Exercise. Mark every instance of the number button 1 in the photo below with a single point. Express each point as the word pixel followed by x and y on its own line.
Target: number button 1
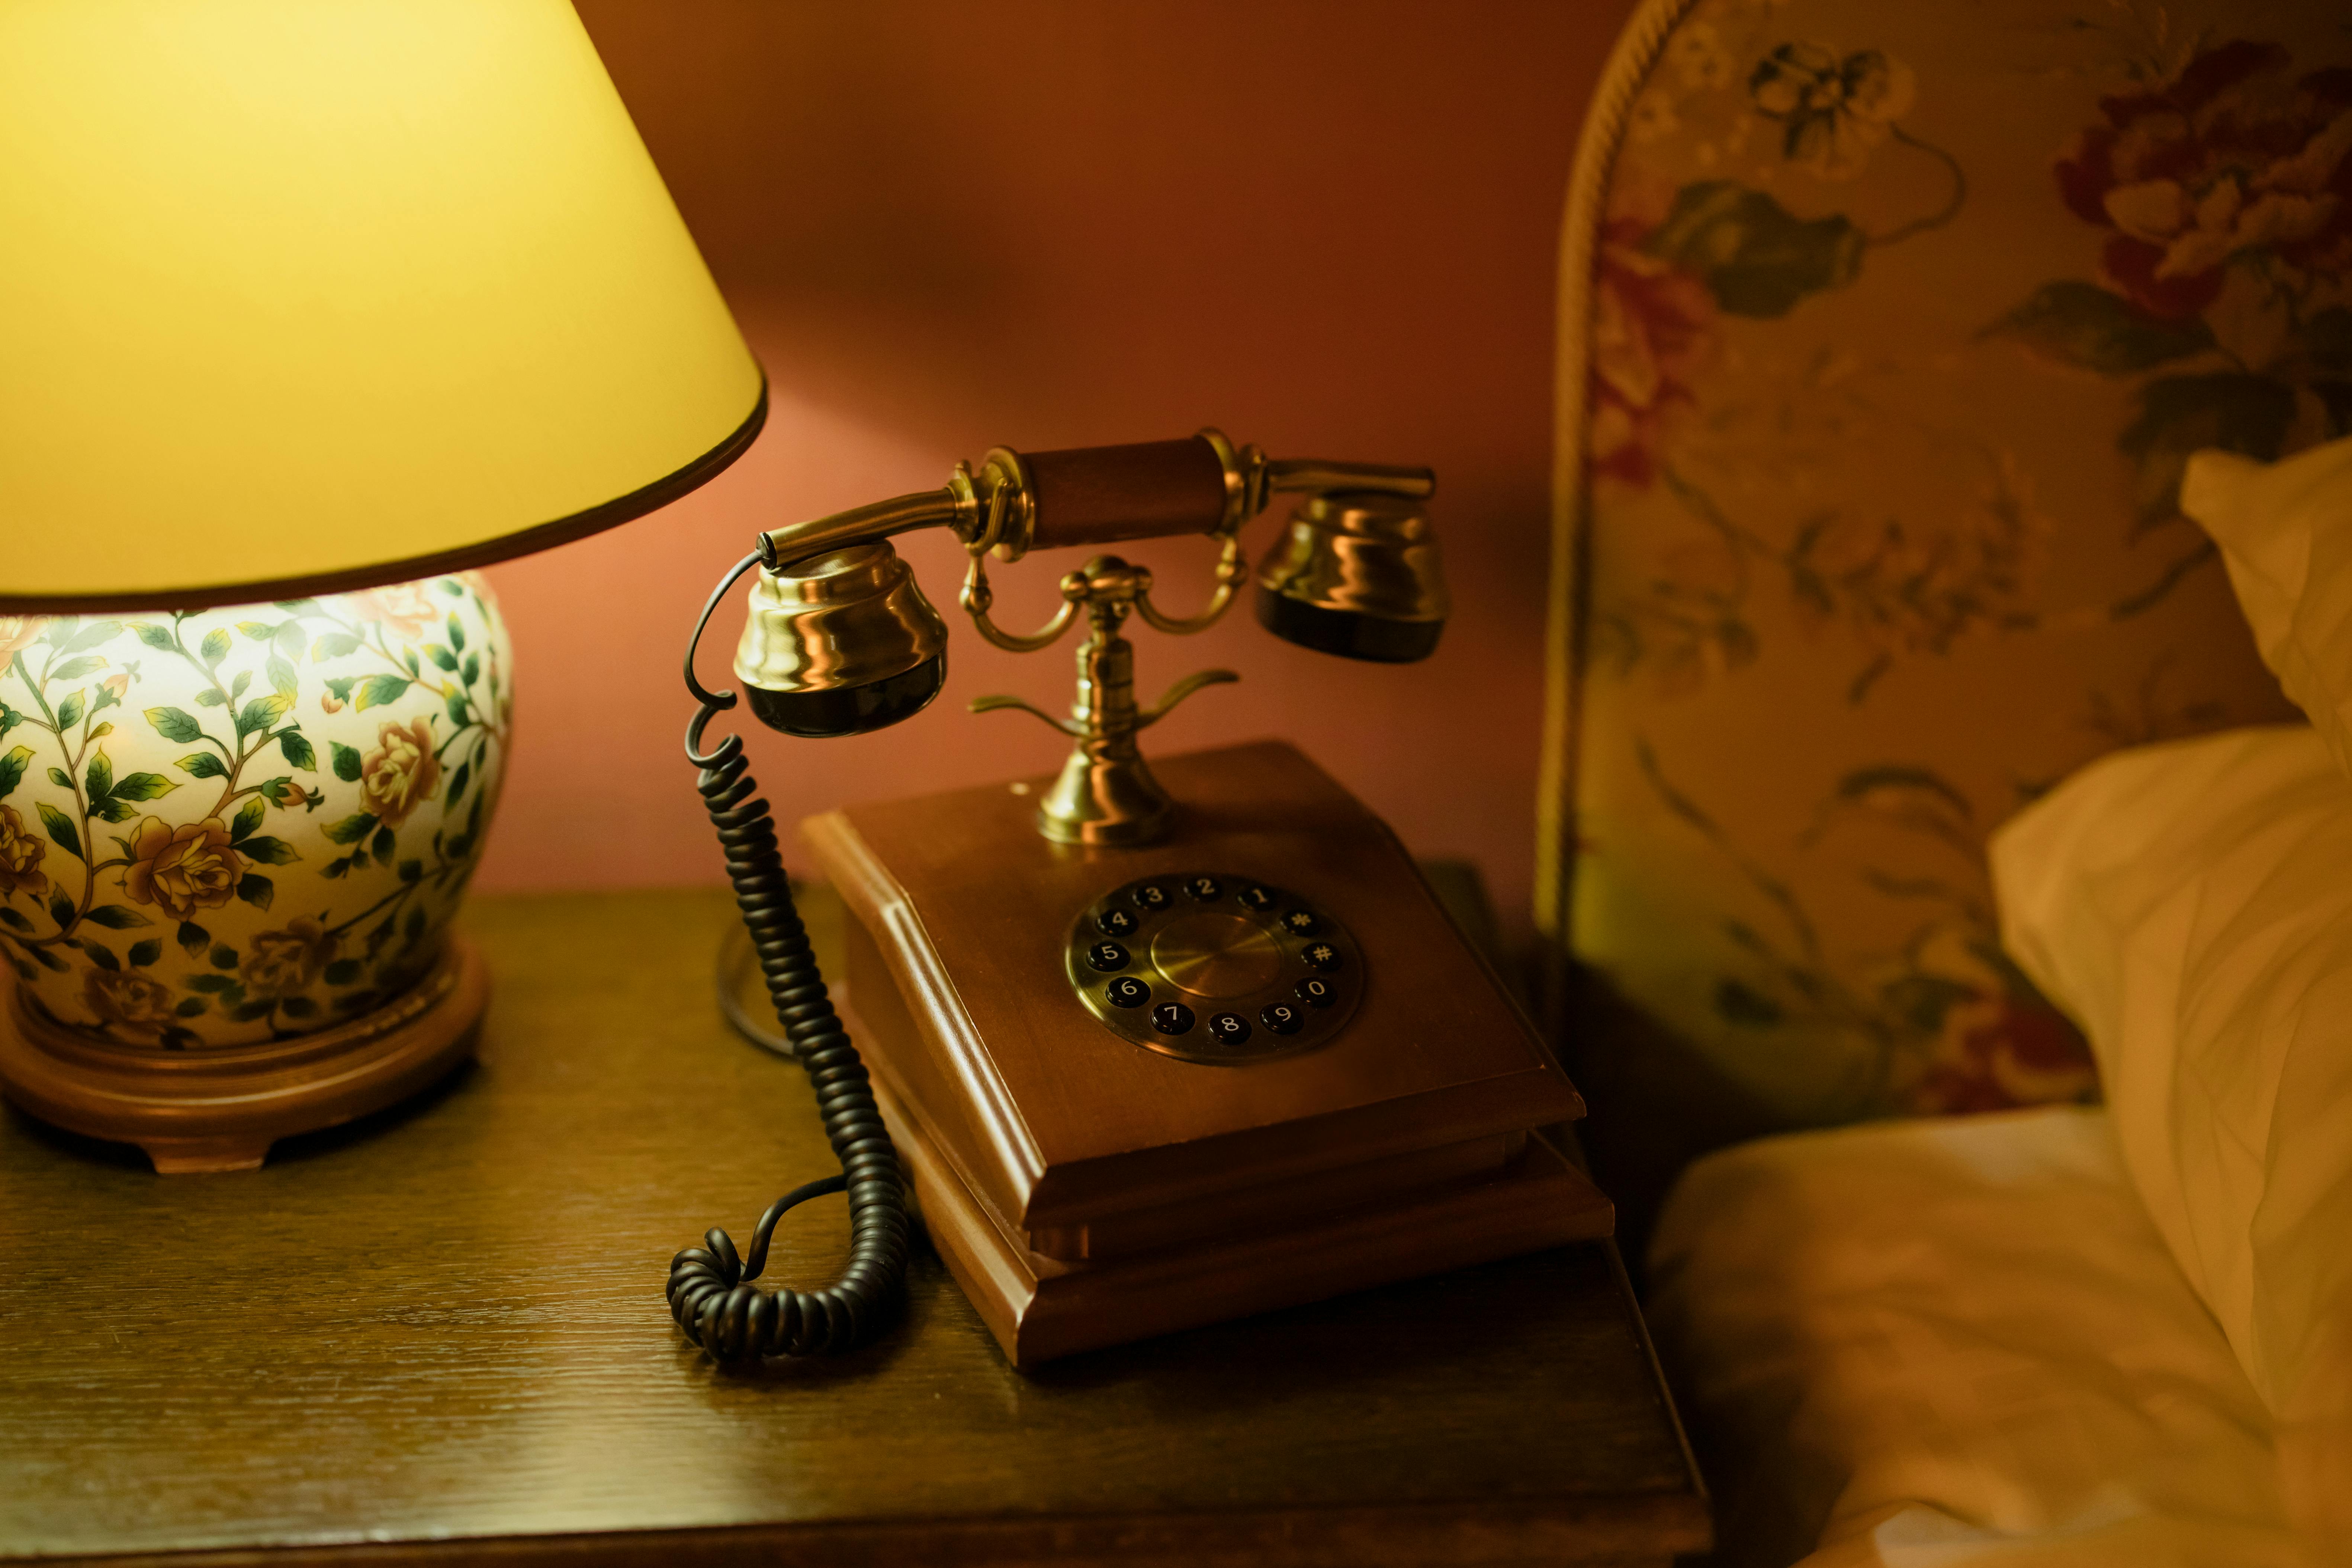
pixel 1256 898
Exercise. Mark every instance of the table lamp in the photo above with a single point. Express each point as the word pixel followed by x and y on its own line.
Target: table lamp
pixel 310 309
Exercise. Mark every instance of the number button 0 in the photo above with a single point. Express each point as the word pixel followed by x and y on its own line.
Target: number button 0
pixel 1204 888
pixel 1315 993
pixel 1171 1018
pixel 1152 897
pixel 1126 991
pixel 1107 956
pixel 1231 1027
pixel 1281 1017
pixel 1115 923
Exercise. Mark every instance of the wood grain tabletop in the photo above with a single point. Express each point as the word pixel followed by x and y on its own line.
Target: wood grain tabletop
pixel 439 1336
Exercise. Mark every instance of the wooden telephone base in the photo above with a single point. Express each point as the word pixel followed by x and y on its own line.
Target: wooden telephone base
pixel 1086 1190
pixel 220 1110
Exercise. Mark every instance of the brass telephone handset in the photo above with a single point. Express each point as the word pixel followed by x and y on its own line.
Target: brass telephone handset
pixel 841 641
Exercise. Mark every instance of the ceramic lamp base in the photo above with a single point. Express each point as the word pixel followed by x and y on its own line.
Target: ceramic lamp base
pixel 221 1110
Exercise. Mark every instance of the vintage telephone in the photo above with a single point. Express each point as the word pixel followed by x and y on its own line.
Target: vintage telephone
pixel 1154 1054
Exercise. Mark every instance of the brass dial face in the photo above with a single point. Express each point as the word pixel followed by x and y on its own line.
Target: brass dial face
pixel 1209 966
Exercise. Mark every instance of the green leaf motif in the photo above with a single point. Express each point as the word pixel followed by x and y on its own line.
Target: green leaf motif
pixel 210 982
pixel 9 717
pixel 99 776
pixel 458 781
pixel 281 676
pixel 333 645
pixel 249 818
pixel 210 697
pixel 175 724
pixel 61 827
pixel 248 1011
pixel 300 606
pixel 298 1007
pixel 93 634
pixel 288 640
pixel 340 686
pixel 70 711
pixel 144 786
pixel 155 636
pixel 342 971
pixel 263 849
pixel 214 649
pixel 143 953
pixel 100 954
pixel 12 769
pixel 336 868
pixel 350 829
pixel 2079 323
pixel 114 916
pixel 379 689
pixel 2237 412
pixel 457 709
pixel 10 917
pixel 296 748
pixel 456 636
pixel 202 765
pixel 190 1006
pixel 224 956
pixel 1755 256
pixel 347 766
pixel 237 688
pixel 441 656
pixel 47 959
pixel 473 670
pixel 259 631
pixel 261 712
pixel 60 778
pixel 61 910
pixel 192 937
pixel 381 844
pixel 72 667
pixel 410 870
pixel 114 808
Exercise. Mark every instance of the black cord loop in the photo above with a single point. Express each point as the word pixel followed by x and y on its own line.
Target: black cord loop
pixel 710 1294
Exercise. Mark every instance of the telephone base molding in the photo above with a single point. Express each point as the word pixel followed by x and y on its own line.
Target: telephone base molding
pixel 1040 1307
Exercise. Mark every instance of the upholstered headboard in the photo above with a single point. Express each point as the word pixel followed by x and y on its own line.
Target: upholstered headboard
pixel 1884 333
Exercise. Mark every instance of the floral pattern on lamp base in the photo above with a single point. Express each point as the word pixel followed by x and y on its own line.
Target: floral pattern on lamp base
pixel 225 828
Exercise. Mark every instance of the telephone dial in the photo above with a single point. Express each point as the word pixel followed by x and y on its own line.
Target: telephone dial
pixel 1153 1046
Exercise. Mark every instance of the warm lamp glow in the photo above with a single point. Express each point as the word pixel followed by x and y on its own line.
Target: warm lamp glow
pixel 301 294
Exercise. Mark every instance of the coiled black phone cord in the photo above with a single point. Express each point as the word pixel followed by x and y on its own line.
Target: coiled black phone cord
pixel 710 1291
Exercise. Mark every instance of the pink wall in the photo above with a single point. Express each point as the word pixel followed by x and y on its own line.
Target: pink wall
pixel 1326 227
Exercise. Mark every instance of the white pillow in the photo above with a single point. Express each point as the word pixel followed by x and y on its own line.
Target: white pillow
pixel 2190 906
pixel 2285 533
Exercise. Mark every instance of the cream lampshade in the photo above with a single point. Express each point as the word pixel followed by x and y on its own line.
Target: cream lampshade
pixel 307 309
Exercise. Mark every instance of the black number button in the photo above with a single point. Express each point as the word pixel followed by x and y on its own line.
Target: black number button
pixel 1299 923
pixel 1108 956
pixel 1171 1018
pixel 1203 888
pixel 1151 896
pixel 1317 993
pixel 1126 991
pixel 1230 1028
pixel 1319 955
pixel 1281 1017
pixel 1256 898
pixel 1115 923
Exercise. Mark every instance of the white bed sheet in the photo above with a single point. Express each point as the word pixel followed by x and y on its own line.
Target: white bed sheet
pixel 1945 1343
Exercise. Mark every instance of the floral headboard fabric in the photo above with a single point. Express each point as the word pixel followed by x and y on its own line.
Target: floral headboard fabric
pixel 1886 331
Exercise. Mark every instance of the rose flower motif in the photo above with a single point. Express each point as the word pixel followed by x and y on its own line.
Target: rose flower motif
pixel 2227 157
pixel 132 1003
pixel 401 774
pixel 17 632
pixel 287 963
pixel 183 869
pixel 1836 108
pixel 1653 325
pixel 20 857
pixel 405 608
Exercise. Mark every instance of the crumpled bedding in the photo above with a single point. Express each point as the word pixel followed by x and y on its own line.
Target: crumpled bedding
pixel 1938 1344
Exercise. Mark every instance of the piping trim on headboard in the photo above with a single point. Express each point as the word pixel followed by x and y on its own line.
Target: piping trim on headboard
pixel 1638 47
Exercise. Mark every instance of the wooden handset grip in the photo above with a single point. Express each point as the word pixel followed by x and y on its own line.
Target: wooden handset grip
pixel 1095 495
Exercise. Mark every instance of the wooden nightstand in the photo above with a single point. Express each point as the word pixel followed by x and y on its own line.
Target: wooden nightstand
pixel 439 1336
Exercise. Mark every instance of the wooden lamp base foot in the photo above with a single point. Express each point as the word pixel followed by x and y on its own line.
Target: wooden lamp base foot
pixel 208 1110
